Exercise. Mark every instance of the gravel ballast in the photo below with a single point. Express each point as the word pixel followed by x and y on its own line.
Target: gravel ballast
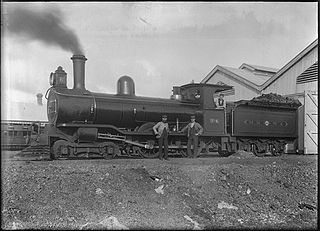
pixel 240 191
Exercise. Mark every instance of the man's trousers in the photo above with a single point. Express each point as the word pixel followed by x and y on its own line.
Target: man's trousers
pixel 163 141
pixel 192 140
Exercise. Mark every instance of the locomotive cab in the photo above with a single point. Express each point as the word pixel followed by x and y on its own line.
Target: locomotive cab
pixel 199 93
pixel 212 119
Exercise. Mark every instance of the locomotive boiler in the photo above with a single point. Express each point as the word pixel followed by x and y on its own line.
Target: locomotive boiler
pixel 84 123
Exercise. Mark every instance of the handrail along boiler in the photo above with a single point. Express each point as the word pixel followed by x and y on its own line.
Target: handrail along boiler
pixel 84 123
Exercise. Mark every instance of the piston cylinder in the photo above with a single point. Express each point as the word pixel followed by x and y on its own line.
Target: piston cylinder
pixel 87 134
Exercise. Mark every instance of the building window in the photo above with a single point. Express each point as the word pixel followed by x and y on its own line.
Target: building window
pixel 309 75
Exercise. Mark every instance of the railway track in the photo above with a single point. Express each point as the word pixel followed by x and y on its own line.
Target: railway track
pixel 13 147
pixel 41 151
pixel 36 150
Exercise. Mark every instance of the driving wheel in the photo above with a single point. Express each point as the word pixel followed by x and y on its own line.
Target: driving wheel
pixel 149 153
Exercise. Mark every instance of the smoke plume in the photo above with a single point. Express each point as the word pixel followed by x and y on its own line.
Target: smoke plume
pixel 46 26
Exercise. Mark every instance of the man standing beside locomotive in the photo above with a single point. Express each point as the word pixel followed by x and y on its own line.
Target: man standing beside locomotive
pixel 161 130
pixel 194 130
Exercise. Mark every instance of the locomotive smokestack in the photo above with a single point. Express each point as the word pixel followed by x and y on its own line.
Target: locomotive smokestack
pixel 78 71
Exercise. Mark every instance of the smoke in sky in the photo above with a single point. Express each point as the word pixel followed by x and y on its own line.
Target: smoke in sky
pixel 45 25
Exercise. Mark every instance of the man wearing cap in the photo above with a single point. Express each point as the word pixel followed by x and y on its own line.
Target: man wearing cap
pixel 194 130
pixel 220 102
pixel 161 130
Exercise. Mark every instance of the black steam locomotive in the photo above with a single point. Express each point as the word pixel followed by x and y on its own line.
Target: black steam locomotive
pixel 83 123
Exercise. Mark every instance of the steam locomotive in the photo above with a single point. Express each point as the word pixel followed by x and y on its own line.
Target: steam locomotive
pixel 87 124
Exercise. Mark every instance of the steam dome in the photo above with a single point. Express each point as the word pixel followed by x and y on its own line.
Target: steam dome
pixel 125 86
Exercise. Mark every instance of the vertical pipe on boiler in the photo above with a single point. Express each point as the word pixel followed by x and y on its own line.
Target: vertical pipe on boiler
pixel 78 71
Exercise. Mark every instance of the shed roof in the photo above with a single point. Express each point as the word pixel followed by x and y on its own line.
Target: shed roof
pixel 248 78
pixel 259 68
pixel 290 64
pixel 253 78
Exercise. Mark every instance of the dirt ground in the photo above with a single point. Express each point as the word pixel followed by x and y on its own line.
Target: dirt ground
pixel 238 192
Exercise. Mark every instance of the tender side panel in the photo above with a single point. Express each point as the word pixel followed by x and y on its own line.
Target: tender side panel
pixel 264 122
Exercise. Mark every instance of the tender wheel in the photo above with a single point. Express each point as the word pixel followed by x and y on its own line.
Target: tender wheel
pixel 256 151
pixel 276 152
pixel 59 149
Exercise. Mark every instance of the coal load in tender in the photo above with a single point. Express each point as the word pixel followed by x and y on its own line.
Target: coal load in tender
pixel 276 100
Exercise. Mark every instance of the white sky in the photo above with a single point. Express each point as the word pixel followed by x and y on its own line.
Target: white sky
pixel 158 44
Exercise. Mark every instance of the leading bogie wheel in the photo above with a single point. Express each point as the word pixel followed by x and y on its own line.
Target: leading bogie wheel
pixel 60 149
